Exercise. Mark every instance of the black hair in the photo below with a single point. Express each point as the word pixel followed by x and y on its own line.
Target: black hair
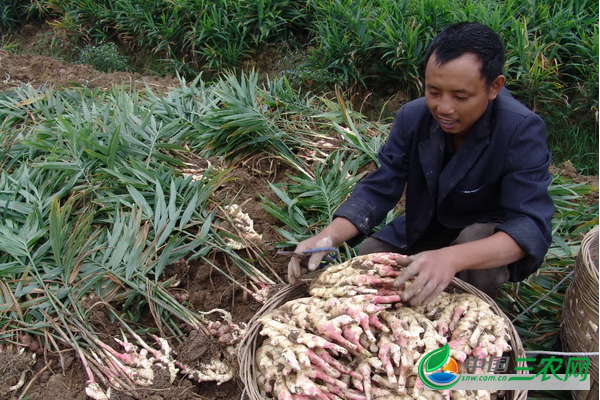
pixel 469 37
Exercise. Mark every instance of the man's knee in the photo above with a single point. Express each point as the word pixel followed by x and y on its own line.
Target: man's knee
pixel 372 245
pixel 475 232
pixel 486 280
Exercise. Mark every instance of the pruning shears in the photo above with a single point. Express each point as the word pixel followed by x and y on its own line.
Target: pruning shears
pixel 333 252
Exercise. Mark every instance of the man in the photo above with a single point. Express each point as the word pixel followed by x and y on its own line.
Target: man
pixel 474 163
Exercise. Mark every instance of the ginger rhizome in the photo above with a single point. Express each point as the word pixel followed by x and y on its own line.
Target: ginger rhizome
pixel 354 339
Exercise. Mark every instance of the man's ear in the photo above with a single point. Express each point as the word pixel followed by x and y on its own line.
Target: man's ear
pixel 496 86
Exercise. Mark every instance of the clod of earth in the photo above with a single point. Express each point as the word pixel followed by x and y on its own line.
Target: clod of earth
pixel 354 339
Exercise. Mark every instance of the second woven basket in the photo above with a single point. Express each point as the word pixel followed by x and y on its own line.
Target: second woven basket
pixel 579 328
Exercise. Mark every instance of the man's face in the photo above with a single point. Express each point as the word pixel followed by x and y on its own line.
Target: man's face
pixel 456 93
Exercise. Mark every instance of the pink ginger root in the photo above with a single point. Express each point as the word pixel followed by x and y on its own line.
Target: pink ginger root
pixel 352 333
pixel 396 352
pixel 402 374
pixel 317 373
pixel 482 327
pixel 289 356
pixel 281 390
pixel 374 321
pixel 400 329
pixel 323 364
pixel 331 329
pixel 458 312
pixel 480 352
pixel 459 350
pixel 365 370
pixel 325 356
pixel 271 327
pixel 371 280
pixel 384 382
pixel 380 392
pixel 359 312
pixel 442 327
pixel 384 355
pixel 386 299
pixel 353 395
pixel 308 387
pixel 335 390
pixel 358 384
pixel 396 291
pixel 387 270
pixel 264 383
pixel 130 357
pixel 385 259
pixel 419 385
pixel 331 396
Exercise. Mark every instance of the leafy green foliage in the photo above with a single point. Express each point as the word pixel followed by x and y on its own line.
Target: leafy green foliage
pixel 242 123
pixel 14 13
pixel 245 119
pixel 552 46
pixel 308 203
pixel 308 77
pixel 93 202
pixel 535 303
pixel 104 57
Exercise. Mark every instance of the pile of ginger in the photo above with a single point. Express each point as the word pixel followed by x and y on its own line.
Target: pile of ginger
pixel 354 339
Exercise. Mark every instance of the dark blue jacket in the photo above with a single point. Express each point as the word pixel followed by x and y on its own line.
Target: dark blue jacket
pixel 499 173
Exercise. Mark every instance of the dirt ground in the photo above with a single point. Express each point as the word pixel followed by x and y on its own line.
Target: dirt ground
pixel 37 70
pixel 53 377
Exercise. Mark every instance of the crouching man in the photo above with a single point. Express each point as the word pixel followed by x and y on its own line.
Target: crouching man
pixel 473 163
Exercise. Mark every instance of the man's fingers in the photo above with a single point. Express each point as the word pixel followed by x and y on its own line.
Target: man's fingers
pixel 412 290
pixel 401 279
pixel 294 271
pixel 404 261
pixel 412 268
pixel 315 260
pixel 421 294
pixel 432 296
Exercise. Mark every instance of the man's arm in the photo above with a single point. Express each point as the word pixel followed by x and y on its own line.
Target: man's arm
pixel 433 270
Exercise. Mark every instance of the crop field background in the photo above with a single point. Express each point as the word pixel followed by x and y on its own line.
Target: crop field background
pixel 119 205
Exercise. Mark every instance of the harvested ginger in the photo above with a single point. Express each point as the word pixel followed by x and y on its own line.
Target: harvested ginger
pixel 354 339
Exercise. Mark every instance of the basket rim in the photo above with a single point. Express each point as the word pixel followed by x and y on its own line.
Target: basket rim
pixel 585 262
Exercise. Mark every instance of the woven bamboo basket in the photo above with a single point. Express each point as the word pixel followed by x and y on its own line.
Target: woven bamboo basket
pixel 579 327
pixel 252 339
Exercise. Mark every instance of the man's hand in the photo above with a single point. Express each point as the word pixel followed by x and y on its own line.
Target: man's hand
pixel 295 270
pixel 338 231
pixel 431 273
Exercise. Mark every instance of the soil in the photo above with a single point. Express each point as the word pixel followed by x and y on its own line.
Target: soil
pixel 36 70
pixel 59 376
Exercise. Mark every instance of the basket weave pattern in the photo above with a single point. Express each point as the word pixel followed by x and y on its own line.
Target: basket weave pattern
pixel 579 328
pixel 252 339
